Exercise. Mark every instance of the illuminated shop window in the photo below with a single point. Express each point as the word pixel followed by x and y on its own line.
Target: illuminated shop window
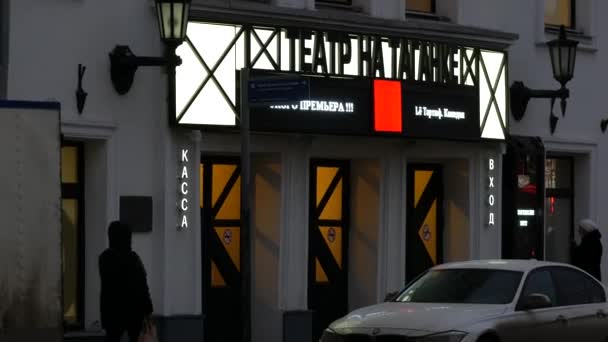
pixel 420 6
pixel 560 12
pixel 72 236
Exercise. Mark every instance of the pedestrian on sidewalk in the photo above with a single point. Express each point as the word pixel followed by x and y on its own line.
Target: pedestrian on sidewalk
pixel 588 254
pixel 125 300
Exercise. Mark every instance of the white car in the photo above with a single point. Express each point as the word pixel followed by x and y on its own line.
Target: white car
pixel 485 301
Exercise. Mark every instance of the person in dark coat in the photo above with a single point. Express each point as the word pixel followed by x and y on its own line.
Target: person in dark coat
pixel 125 298
pixel 588 254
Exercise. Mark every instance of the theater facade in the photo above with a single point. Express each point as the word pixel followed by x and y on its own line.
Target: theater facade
pixel 372 155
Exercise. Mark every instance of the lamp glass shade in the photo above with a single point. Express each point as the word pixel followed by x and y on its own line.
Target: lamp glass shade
pixel 172 19
pixel 563 57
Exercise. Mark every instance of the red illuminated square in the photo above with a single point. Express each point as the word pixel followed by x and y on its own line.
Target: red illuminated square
pixel 387 106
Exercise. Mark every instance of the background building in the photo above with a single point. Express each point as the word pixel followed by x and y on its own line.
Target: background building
pixel 130 160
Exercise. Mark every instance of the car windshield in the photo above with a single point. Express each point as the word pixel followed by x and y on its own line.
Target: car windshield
pixel 470 286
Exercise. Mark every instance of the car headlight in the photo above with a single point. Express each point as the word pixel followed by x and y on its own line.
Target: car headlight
pixel 450 336
pixel 330 336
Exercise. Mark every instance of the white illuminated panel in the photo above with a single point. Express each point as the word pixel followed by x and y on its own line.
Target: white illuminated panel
pixel 209 106
pixel 525 212
pixel 215 102
pixel 523 223
pixel 469 53
pixel 263 62
pixel 493 128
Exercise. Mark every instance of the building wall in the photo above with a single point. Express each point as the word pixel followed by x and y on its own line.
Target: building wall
pixel 363 234
pixel 456 238
pixel 130 150
pixel 577 134
pixel 130 140
pixel 266 317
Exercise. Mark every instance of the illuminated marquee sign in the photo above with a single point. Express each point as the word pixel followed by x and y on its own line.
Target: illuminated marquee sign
pixel 439 113
pixel 182 204
pixel 432 111
pixel 206 85
pixel 317 106
pixel 330 106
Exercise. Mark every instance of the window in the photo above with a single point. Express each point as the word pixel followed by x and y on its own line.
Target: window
pixel 560 12
pixel 72 236
pixel 336 2
pixel 540 282
pixel 576 288
pixel 467 286
pixel 420 6
pixel 559 183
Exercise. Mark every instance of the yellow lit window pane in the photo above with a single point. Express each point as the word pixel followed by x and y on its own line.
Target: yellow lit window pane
pixel 217 280
pixel 69 164
pixel 200 180
pixel 425 6
pixel 231 208
pixel 558 12
pixel 333 239
pixel 320 275
pixel 221 175
pixel 70 259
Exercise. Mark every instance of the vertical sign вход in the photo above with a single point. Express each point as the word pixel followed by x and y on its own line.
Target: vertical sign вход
pixel 182 204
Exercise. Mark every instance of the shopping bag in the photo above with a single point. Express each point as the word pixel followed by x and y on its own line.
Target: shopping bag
pixel 148 333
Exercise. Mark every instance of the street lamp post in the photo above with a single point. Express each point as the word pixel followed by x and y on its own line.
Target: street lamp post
pixel 172 18
pixel 563 58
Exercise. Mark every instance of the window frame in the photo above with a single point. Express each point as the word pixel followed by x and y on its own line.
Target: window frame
pixel 582 275
pixel 572 27
pixel 526 282
pixel 514 297
pixel 76 191
pixel 423 15
pixel 551 270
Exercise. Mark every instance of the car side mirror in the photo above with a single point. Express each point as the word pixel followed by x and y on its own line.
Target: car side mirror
pixel 535 301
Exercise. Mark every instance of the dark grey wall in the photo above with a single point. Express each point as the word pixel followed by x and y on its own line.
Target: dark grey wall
pixel 4 40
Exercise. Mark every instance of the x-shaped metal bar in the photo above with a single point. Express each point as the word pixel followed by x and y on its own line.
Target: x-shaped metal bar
pixel 469 66
pixel 211 73
pixel 264 48
pixel 493 89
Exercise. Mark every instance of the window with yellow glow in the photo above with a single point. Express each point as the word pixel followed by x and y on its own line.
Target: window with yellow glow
pixel 559 12
pixel 72 234
pixel 420 6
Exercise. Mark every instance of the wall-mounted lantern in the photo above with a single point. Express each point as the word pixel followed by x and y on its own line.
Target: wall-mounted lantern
pixel 563 58
pixel 172 21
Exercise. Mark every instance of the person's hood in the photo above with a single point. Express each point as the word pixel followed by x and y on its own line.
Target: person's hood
pixel 119 236
pixel 594 235
pixel 416 318
pixel 588 225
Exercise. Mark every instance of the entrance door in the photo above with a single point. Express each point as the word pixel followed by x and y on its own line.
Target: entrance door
pixel 328 241
pixel 424 218
pixel 559 234
pixel 221 227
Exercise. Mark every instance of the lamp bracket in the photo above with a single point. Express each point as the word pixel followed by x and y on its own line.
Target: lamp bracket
pixel 604 124
pixel 520 95
pixel 124 64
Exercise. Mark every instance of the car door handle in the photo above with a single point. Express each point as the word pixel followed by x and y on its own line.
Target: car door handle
pixel 561 320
